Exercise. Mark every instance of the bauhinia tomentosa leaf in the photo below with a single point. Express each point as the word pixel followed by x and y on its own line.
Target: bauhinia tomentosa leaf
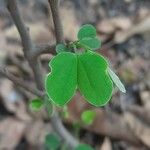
pixel 92 43
pixel 36 104
pixel 61 82
pixel 88 116
pixel 87 31
pixel 93 79
pixel 116 80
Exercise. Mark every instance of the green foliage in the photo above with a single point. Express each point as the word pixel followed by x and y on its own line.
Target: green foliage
pixel 88 117
pixel 52 141
pixel 116 80
pixel 87 31
pixel 92 43
pixel 93 80
pixel 61 82
pixel 87 37
pixel 86 70
pixel 61 48
pixel 36 104
pixel 83 147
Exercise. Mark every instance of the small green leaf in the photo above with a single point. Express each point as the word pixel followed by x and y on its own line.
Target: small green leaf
pixel 36 104
pixel 61 83
pixel 92 43
pixel 116 80
pixel 88 117
pixel 93 80
pixel 83 147
pixel 61 48
pixel 87 31
pixel 52 141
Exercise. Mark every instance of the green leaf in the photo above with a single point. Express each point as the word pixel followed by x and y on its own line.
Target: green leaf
pixel 88 117
pixel 61 83
pixel 92 43
pixel 61 48
pixel 87 31
pixel 36 104
pixel 116 80
pixel 93 80
pixel 52 141
pixel 83 147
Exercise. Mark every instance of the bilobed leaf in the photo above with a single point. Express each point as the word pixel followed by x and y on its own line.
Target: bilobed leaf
pixel 92 43
pixel 62 81
pixel 87 31
pixel 61 48
pixel 116 80
pixel 93 80
pixel 88 117
pixel 52 141
pixel 36 104
pixel 83 147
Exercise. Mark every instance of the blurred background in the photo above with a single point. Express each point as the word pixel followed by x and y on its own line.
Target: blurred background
pixel 124 29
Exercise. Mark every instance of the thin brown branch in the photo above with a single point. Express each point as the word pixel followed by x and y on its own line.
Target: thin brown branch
pixel 26 41
pixel 43 49
pixel 54 5
pixel 59 127
pixel 20 82
pixel 24 34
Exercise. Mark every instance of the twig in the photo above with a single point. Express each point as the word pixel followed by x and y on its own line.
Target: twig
pixel 26 42
pixel 59 127
pixel 43 49
pixel 20 82
pixel 54 5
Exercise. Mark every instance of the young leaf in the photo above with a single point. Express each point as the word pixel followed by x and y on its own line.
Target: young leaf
pixel 116 80
pixel 52 141
pixel 83 147
pixel 92 43
pixel 88 117
pixel 61 48
pixel 61 83
pixel 36 104
pixel 93 80
pixel 87 31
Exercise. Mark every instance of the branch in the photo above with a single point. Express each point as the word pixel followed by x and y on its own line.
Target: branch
pixel 54 5
pixel 59 127
pixel 43 49
pixel 19 82
pixel 24 34
pixel 26 41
